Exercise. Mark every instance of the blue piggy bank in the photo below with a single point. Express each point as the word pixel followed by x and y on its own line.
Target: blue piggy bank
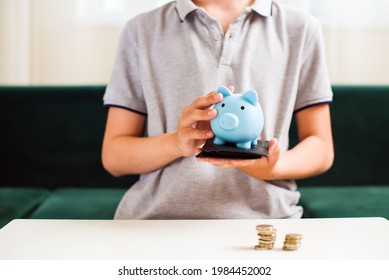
pixel 239 119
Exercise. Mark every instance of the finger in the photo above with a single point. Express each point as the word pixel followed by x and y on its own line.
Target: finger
pixel 242 163
pixel 198 151
pixel 192 116
pixel 231 88
pixel 196 134
pixel 204 125
pixel 220 162
pixel 207 101
pixel 202 159
pixel 274 151
pixel 217 162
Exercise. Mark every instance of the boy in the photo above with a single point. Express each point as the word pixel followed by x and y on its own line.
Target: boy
pixel 168 59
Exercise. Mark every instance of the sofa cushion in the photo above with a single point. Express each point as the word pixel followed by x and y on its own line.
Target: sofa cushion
pixel 345 201
pixel 359 120
pixel 19 202
pixel 80 203
pixel 54 137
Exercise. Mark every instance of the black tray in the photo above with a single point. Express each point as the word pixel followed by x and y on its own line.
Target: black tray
pixel 230 151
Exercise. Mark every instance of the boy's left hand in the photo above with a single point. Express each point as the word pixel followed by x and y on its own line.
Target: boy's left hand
pixel 263 165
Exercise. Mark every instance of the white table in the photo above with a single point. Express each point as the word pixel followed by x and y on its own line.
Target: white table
pixel 335 239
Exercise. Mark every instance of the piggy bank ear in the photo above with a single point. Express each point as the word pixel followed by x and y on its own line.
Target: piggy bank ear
pixel 251 96
pixel 225 91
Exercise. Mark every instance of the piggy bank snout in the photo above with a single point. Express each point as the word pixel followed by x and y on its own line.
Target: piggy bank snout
pixel 228 121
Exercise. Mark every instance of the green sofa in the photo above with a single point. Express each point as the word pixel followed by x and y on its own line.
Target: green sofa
pixel 50 164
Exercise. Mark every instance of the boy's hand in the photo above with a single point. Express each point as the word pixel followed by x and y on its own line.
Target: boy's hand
pixel 263 167
pixel 194 124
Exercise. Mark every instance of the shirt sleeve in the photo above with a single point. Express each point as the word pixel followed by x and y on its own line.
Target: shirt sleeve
pixel 314 81
pixel 125 86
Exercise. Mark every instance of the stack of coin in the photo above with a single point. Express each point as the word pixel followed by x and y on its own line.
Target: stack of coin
pixel 266 237
pixel 292 242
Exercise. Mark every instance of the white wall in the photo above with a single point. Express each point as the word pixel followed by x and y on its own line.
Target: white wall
pixel 65 51
pixel 356 37
pixel 15 42
pixel 358 56
pixel 74 41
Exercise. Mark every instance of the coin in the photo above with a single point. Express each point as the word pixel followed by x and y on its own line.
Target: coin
pixel 292 241
pixel 293 236
pixel 258 247
pixel 289 248
pixel 261 241
pixel 264 227
pixel 266 236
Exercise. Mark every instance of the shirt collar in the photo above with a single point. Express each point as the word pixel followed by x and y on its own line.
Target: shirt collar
pixel 262 7
pixel 184 7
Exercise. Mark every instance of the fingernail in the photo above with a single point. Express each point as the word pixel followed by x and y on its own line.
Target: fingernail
pixel 275 143
pixel 210 112
pixel 217 96
pixel 209 133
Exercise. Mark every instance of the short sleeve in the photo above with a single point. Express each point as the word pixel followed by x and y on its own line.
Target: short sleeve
pixel 125 86
pixel 314 82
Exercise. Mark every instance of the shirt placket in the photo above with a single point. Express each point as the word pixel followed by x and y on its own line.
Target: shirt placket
pixel 225 75
pixel 226 44
pixel 229 45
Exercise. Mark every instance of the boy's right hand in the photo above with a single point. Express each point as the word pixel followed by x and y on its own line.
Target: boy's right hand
pixel 194 124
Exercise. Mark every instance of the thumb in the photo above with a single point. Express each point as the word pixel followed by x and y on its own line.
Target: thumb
pixel 274 151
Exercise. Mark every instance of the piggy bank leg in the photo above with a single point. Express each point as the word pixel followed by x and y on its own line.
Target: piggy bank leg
pixel 254 143
pixel 218 141
pixel 244 145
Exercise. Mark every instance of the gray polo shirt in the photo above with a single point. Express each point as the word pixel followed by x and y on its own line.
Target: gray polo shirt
pixel 170 56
